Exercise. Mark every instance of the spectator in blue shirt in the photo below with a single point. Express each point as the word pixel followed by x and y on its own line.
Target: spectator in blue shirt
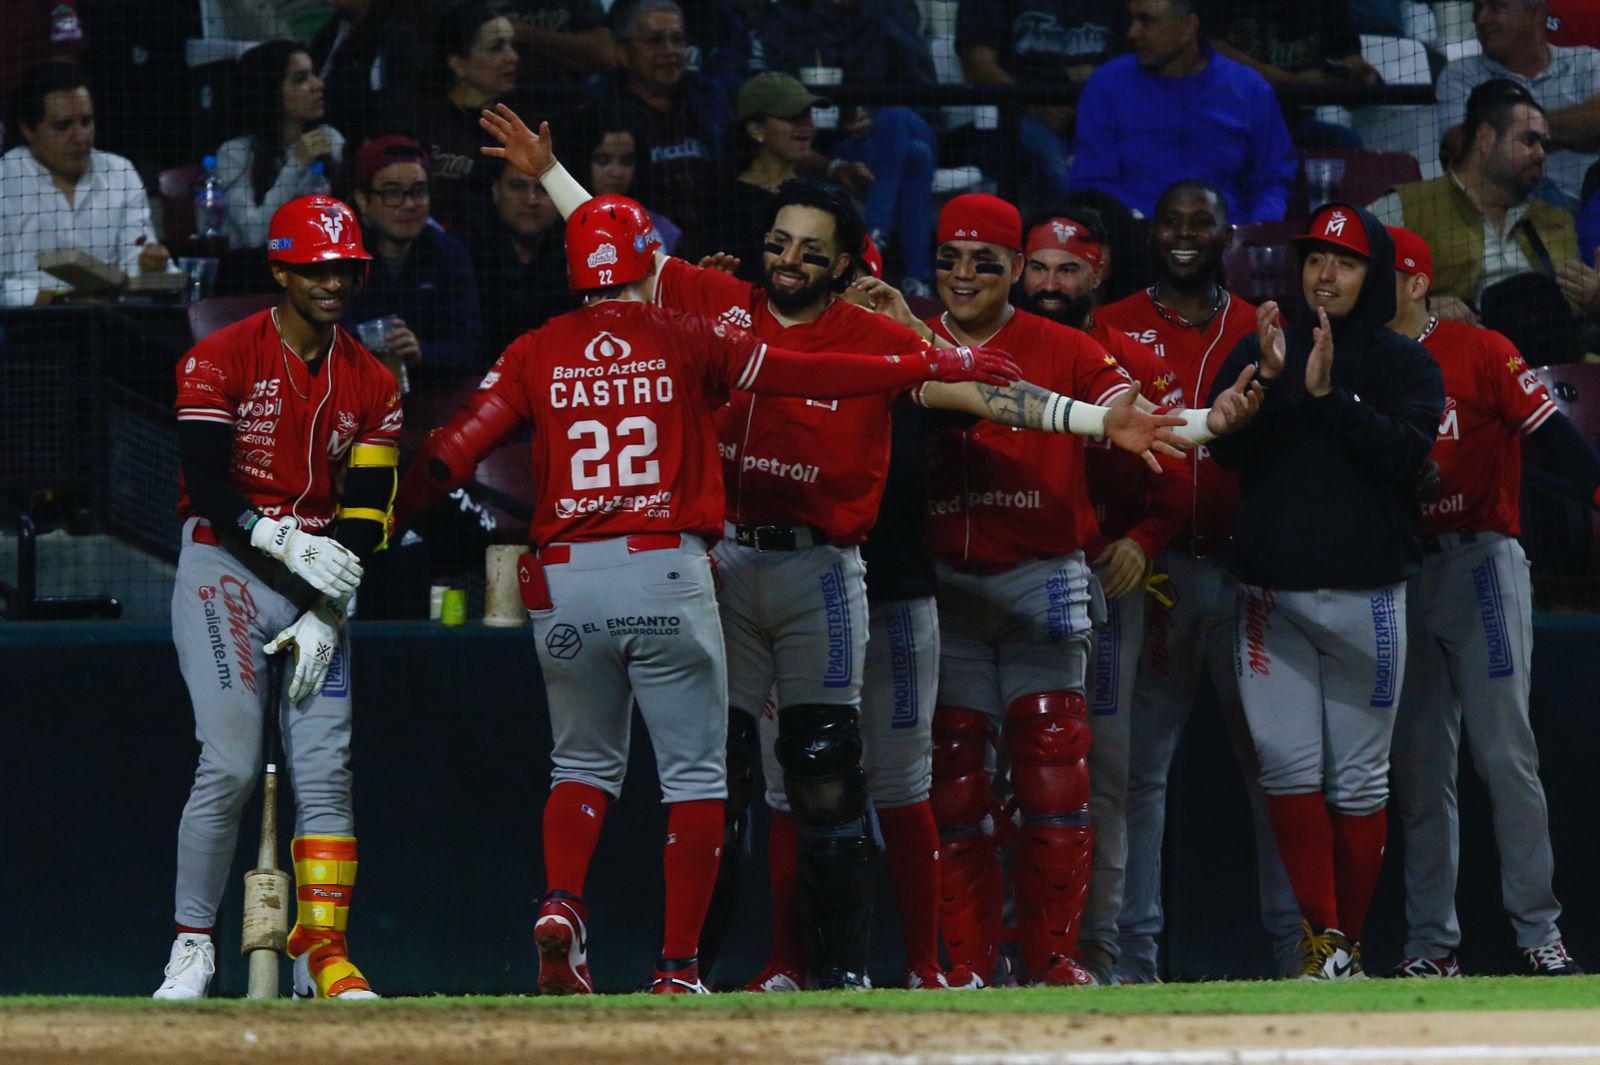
pixel 1176 109
pixel 420 273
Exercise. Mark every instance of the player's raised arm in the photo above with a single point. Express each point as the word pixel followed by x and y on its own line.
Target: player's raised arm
pixel 532 153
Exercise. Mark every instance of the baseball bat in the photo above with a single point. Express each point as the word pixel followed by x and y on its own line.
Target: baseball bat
pixel 266 888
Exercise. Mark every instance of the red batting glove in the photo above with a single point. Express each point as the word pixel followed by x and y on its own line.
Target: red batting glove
pixel 972 364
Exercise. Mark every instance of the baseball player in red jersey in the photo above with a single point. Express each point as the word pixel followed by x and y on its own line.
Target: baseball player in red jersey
pixel 1471 638
pixel 1008 519
pixel 804 479
pixel 286 428
pixel 629 497
pixel 1191 322
pixel 1065 259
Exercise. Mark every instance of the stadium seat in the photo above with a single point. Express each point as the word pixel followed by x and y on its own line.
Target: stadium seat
pixel 1367 175
pixel 1262 264
pixel 207 316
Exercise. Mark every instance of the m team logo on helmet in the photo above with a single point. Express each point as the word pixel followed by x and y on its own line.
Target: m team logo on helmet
pixel 607 346
pixel 604 255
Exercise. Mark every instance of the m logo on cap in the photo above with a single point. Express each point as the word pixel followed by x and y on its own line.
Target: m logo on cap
pixel 604 255
pixel 1335 225
pixel 331 223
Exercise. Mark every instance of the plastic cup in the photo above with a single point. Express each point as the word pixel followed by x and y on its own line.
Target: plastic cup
pixel 454 610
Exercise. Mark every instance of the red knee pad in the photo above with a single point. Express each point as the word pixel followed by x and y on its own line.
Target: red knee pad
pixel 962 794
pixel 1049 737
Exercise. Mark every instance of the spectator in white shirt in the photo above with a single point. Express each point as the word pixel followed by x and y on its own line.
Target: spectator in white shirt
pixel 57 192
pixel 1564 81
pixel 287 151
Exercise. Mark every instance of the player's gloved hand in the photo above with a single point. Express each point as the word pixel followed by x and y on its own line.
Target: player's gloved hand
pixel 314 637
pixel 984 365
pixel 322 562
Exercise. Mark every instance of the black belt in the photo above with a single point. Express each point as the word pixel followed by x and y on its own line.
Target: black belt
pixel 778 537
pixel 1438 545
pixel 268 571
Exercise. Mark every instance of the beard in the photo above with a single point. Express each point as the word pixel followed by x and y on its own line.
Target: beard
pixel 1071 312
pixel 790 301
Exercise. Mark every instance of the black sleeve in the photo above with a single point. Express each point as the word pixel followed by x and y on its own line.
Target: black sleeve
pixel 370 488
pixel 1235 448
pixel 1573 456
pixel 206 452
pixel 206 449
pixel 1393 441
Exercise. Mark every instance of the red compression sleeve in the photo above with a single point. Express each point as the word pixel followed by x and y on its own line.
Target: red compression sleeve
pixel 449 455
pixel 834 374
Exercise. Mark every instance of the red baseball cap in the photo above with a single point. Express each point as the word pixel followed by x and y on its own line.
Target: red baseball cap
pixel 1338 225
pixel 379 153
pixel 1411 253
pixel 980 216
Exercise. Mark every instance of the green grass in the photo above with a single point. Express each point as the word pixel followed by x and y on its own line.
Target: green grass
pixel 1471 994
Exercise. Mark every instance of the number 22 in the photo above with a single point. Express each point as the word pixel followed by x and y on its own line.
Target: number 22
pixel 630 471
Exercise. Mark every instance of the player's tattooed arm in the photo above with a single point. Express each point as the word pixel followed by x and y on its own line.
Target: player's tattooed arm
pixel 1020 403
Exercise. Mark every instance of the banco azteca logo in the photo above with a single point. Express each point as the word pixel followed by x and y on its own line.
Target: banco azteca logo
pixel 606 346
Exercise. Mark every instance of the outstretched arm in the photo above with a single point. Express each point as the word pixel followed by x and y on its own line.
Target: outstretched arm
pixel 532 154
pixel 837 375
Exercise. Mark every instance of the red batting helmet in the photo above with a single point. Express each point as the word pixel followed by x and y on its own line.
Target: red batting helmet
pixel 610 241
pixel 314 229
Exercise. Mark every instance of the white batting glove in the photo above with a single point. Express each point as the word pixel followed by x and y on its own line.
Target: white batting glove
pixel 314 637
pixel 321 561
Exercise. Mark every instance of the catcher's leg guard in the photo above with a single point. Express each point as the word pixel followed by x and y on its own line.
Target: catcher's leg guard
pixel 1048 734
pixel 819 747
pixel 962 796
pixel 325 877
pixel 744 763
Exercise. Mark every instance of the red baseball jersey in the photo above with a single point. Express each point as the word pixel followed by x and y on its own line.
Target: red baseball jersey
pixel 999 495
pixel 292 428
pixel 1491 398
pixel 1572 22
pixel 621 397
pixel 790 461
pixel 1196 353
pixel 1130 501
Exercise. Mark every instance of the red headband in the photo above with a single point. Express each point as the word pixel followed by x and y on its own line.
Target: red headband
pixel 1066 235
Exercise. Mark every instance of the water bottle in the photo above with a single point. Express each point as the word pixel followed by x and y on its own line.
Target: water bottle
pixel 211 205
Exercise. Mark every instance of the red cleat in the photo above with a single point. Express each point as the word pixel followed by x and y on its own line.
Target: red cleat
pixel 562 936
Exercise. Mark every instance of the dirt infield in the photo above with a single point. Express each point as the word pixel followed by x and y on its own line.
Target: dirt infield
pixel 328 1034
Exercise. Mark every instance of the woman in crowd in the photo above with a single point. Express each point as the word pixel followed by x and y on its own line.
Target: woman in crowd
pixel 776 131
pixel 608 139
pixel 476 68
pixel 285 150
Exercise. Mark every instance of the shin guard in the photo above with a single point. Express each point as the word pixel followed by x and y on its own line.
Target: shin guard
pixel 325 877
pixel 962 798
pixel 1048 734
pixel 744 763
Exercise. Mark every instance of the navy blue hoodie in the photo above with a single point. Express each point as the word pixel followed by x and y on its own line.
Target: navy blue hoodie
pixel 1326 489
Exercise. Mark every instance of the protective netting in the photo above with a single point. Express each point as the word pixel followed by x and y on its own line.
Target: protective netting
pixel 148 145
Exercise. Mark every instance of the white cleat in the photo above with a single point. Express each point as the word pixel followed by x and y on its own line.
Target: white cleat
pixel 189 969
pixel 306 987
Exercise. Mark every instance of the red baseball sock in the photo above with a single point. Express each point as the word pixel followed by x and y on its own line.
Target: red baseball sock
pixel 788 938
pixel 1304 833
pixel 689 861
pixel 1358 841
pixel 911 842
pixel 572 817
pixel 190 930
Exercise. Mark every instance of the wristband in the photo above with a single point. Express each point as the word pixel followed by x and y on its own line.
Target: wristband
pixel 564 189
pixel 1085 419
pixel 1194 428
